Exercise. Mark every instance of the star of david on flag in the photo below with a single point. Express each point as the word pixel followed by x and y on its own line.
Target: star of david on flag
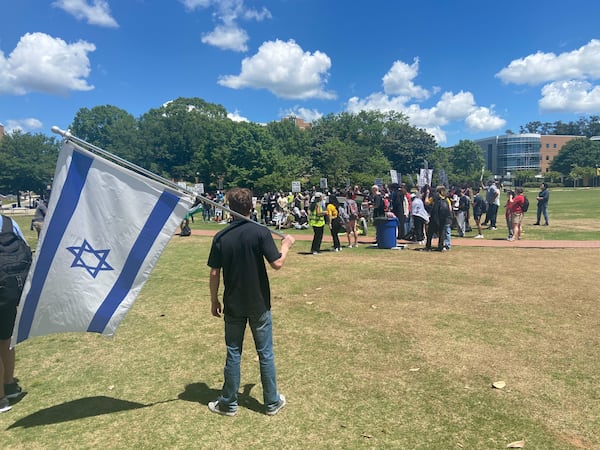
pixel 81 261
pixel 104 232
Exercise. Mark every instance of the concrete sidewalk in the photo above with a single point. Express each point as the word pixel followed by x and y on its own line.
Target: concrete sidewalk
pixel 461 242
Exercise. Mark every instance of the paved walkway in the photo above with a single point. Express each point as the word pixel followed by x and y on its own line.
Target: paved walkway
pixel 466 242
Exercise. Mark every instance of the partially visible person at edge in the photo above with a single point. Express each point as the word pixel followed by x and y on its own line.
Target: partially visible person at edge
pixel 316 219
pixel 9 389
pixel 335 225
pixel 463 211
pixel 441 220
pixel 427 197
pixel 492 197
pixel 377 204
pixel 516 213
pixel 240 250
pixel 478 207
pixel 400 208
pixel 542 204
pixel 420 218
pixel 508 215
pixel 352 218
pixel 39 215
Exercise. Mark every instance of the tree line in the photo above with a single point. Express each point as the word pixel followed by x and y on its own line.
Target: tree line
pixel 191 140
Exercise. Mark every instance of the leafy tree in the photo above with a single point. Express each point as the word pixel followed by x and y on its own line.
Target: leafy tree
pixel 27 162
pixel 581 173
pixel 110 128
pixel 467 160
pixel 523 176
pixel 577 152
pixel 552 176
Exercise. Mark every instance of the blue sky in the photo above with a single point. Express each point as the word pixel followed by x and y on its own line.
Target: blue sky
pixel 459 69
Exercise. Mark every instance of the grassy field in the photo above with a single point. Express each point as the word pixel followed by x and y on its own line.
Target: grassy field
pixel 374 349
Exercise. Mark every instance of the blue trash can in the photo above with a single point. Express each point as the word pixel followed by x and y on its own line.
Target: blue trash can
pixel 387 228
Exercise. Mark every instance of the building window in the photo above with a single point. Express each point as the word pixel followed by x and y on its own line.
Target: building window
pixel 547 145
pixel 553 145
pixel 547 157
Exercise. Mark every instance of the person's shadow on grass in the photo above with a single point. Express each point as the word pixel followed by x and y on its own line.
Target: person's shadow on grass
pixel 201 393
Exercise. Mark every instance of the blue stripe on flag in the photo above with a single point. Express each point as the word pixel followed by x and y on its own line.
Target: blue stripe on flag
pixel 142 246
pixel 55 229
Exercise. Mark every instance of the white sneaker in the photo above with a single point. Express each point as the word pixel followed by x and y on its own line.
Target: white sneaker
pixel 277 408
pixel 216 408
pixel 479 236
pixel 4 405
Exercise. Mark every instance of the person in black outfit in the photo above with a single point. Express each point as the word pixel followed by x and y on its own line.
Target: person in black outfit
pixel 239 251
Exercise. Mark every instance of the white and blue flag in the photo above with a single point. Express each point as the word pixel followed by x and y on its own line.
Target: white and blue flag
pixel 104 232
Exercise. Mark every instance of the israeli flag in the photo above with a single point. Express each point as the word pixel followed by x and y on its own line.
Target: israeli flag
pixel 104 232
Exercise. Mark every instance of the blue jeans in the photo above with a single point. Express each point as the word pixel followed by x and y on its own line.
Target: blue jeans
pixel 262 331
pixel 542 209
pixel 447 236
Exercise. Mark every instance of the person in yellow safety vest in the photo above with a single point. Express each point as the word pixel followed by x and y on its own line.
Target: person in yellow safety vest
pixel 316 219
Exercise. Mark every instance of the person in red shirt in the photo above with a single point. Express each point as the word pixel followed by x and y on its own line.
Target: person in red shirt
pixel 516 212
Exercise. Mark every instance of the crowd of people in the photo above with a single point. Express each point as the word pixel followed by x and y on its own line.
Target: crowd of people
pixel 422 215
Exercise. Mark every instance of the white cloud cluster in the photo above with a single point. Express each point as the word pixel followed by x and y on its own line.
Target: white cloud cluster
pixel 399 81
pixel 41 63
pixel 236 117
pixel 403 95
pixel 227 34
pixel 97 13
pixel 568 77
pixel 24 125
pixel 286 70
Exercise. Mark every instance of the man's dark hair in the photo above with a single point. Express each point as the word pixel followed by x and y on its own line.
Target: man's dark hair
pixel 240 200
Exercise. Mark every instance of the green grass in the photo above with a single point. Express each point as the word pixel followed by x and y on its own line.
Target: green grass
pixel 374 349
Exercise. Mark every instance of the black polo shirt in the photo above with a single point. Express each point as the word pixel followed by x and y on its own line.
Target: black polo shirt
pixel 240 251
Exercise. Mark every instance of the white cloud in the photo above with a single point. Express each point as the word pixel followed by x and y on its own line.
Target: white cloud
pixel 41 63
pixel 227 34
pixel 399 90
pixel 567 76
pixel 98 13
pixel 236 117
pixel 570 96
pixel 398 81
pixel 284 69
pixel 543 67
pixel 227 37
pixel 455 107
pixel 24 125
pixel 193 4
pixel 483 119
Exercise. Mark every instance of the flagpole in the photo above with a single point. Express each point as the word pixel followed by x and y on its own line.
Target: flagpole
pixel 68 136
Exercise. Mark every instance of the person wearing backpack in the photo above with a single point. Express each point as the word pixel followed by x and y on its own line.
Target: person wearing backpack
pixel 15 260
pixel 516 203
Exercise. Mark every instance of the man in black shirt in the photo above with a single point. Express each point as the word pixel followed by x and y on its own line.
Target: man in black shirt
pixel 239 251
